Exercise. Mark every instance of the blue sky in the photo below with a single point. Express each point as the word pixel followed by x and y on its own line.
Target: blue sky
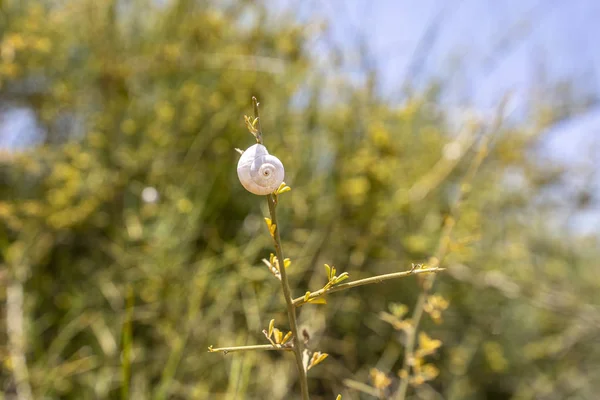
pixel 481 49
pixel 484 46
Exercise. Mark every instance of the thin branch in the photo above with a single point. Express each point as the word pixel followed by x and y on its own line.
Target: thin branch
pixel 255 105
pixel 16 339
pixel 367 281
pixel 362 387
pixel 127 342
pixel 441 252
pixel 444 167
pixel 287 293
pixel 226 350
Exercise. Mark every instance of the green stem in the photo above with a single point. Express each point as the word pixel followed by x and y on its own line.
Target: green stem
pixel 226 350
pixel 287 293
pixel 440 254
pixel 127 343
pixel 367 281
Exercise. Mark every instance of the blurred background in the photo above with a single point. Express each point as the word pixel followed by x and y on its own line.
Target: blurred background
pixel 128 246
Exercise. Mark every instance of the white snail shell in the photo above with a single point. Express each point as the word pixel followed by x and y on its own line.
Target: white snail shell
pixel 259 172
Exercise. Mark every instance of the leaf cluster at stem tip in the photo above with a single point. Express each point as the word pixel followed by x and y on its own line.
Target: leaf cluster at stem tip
pixel 332 278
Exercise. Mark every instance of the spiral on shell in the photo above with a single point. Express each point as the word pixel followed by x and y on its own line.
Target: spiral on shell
pixel 260 172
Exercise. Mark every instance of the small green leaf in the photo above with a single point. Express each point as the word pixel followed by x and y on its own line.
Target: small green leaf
pixel 271 326
pixel 398 310
pixel 286 337
pixel 342 277
pixel 316 359
pixel 278 335
pixel 271 226
pixel 283 188
pixel 321 358
pixel 328 269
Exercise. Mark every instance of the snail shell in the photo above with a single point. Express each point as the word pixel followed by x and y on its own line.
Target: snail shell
pixel 259 172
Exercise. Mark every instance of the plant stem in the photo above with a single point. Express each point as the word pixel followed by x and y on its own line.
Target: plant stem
pixel 127 339
pixel 249 348
pixel 367 281
pixel 15 331
pixel 440 254
pixel 287 293
pixel 411 339
pixel 257 115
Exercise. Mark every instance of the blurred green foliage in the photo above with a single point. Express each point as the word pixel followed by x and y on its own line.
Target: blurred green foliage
pixel 123 293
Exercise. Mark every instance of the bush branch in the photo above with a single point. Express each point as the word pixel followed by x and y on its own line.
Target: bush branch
pixel 367 281
pixel 441 252
pixel 16 339
pixel 287 293
pixel 226 350
pixel 255 104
